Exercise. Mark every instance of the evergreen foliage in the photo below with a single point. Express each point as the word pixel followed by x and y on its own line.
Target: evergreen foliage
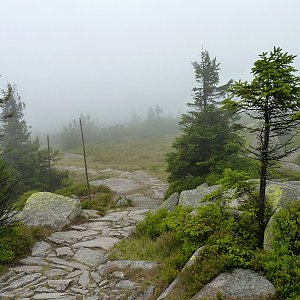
pixel 208 145
pixel 209 142
pixel 228 241
pixel 8 182
pixel 207 90
pixel 272 99
pixel 23 154
pixel 8 188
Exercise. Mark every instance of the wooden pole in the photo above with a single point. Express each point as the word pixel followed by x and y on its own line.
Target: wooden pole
pixel 84 156
pixel 49 162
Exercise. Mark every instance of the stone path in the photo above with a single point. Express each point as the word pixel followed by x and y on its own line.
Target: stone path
pixel 74 264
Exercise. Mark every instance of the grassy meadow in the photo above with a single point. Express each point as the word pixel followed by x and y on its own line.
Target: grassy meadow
pixel 127 154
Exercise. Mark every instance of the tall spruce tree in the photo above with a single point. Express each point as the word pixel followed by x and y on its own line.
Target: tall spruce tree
pixel 8 183
pixel 14 129
pixel 272 99
pixel 207 90
pixel 209 142
pixel 20 152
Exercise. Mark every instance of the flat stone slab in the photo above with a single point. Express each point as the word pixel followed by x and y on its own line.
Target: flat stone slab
pixel 119 185
pixel 72 236
pixel 139 200
pixel 90 213
pixel 7 295
pixel 125 284
pixel 92 258
pixel 41 249
pixel 51 296
pixel 74 265
pixel 59 285
pixel 130 264
pixel 98 226
pixel 33 261
pixel 116 216
pixel 24 280
pixel 53 273
pixel 74 274
pixel 28 269
pixel 64 251
pixel 101 242
pixel 84 279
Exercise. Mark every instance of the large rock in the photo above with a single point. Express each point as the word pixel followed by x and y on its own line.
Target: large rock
pixel 282 193
pixel 193 197
pixel 50 210
pixel 289 166
pixel 171 202
pixel 238 284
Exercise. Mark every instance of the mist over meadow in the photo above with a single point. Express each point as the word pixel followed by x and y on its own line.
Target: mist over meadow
pixel 115 59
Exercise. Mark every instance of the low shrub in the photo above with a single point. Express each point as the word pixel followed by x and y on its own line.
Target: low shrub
pixel 282 263
pixel 153 225
pixel 100 202
pixel 17 240
pixel 81 190
pixel 145 248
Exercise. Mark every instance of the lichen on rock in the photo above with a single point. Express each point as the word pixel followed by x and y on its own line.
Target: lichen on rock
pixel 49 209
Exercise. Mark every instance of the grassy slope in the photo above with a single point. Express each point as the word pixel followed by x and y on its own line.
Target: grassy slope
pixel 128 154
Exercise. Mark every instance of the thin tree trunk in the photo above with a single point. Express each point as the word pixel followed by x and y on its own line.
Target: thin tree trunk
pixel 263 181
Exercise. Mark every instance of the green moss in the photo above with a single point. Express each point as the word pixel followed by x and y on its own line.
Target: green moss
pixel 274 194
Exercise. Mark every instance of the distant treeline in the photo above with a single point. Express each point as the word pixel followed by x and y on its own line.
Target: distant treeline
pixel 155 125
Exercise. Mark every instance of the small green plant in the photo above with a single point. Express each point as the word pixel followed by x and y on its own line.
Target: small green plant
pixel 282 263
pixel 100 202
pixel 17 240
pixel 81 190
pixel 101 196
pixel 154 224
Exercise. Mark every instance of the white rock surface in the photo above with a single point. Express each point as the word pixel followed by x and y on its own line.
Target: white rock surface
pixel 100 242
pixel 49 209
pixel 92 258
pixel 238 284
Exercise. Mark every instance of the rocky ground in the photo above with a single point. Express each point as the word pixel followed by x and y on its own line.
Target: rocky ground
pixel 73 264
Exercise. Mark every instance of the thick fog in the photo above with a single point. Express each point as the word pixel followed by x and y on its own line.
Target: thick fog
pixel 110 58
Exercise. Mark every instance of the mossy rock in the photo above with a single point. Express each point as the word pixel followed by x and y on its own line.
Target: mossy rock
pixel 280 194
pixel 49 209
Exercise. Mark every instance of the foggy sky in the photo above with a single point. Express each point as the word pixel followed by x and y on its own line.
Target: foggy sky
pixel 112 57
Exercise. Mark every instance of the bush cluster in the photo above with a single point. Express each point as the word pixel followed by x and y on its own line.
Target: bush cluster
pixel 229 242
pixel 81 190
pixel 17 240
